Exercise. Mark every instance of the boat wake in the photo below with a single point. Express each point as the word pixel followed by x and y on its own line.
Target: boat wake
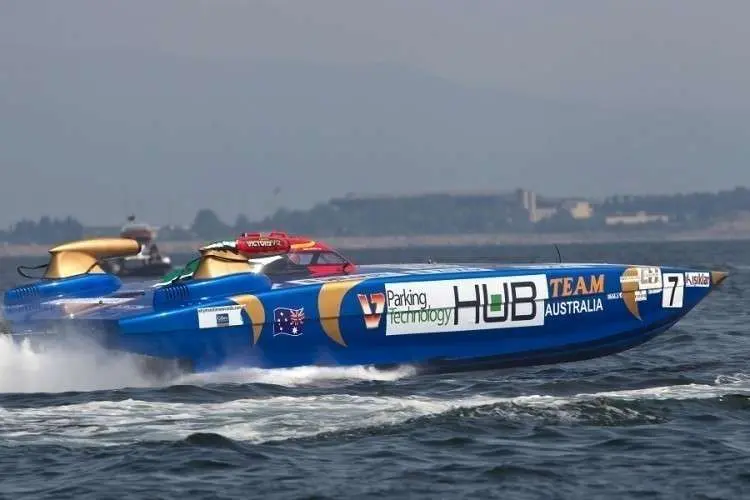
pixel 81 366
pixel 76 365
pixel 298 376
pixel 285 417
pixel 248 415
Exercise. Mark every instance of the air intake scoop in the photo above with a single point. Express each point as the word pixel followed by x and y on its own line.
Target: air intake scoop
pixel 81 257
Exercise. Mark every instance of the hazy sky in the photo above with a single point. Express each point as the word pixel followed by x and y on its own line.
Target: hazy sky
pixel 163 107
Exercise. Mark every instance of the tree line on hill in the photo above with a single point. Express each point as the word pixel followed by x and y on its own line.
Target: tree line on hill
pixel 46 231
pixel 437 214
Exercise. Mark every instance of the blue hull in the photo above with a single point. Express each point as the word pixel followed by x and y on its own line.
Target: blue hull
pixel 468 317
pixel 579 352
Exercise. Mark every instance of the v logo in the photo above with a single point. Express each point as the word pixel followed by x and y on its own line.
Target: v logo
pixel 372 309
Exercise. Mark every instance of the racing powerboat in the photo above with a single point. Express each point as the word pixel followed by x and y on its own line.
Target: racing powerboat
pixel 435 317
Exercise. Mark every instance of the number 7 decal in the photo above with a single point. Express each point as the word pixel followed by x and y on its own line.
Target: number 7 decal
pixel 674 287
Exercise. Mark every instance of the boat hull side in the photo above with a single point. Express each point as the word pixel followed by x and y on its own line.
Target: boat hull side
pixel 455 320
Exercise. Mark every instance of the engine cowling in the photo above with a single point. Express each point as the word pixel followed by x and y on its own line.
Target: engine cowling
pixel 73 271
pixel 196 290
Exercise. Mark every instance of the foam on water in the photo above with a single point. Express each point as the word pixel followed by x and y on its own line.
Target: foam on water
pixel 75 366
pixel 290 377
pixel 100 423
pixel 79 365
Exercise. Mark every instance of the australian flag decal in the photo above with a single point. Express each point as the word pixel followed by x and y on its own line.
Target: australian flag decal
pixel 288 321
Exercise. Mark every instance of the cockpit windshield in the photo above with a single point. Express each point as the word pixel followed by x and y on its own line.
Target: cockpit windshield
pixel 331 258
pixel 301 258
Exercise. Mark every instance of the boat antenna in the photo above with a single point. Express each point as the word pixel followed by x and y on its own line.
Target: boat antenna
pixel 559 257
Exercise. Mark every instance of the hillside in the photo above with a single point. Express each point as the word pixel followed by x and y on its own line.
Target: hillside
pixel 99 134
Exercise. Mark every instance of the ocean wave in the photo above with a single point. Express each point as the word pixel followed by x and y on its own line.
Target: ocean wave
pixel 265 419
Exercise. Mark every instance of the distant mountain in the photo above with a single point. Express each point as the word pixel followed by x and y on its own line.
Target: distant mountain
pixel 456 214
pixel 103 134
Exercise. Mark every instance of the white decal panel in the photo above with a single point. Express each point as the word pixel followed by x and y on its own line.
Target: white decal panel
pixel 640 295
pixel 674 284
pixel 698 280
pixel 216 317
pixel 465 304
pixel 649 278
